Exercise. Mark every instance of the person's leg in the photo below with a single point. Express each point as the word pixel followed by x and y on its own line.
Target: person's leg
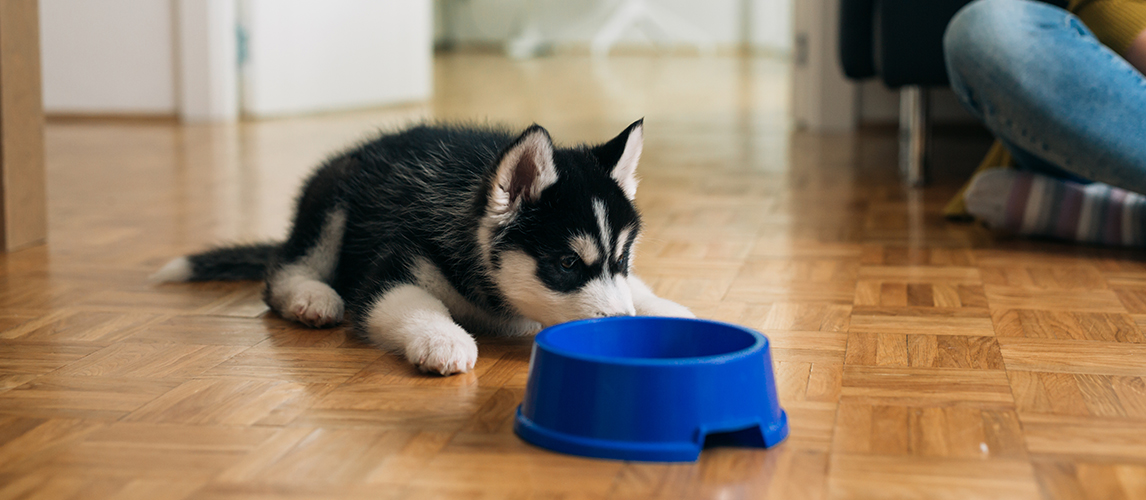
pixel 1068 109
pixel 1041 82
pixel 1025 160
pixel 1034 204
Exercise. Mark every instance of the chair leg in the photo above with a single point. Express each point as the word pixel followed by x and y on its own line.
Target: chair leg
pixel 913 135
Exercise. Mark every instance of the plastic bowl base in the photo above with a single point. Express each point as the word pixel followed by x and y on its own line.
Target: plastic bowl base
pixel 686 451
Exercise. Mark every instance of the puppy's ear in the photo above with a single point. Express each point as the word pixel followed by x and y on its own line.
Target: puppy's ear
pixel 620 156
pixel 525 169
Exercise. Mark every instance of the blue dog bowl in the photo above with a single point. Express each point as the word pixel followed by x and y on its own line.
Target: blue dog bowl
pixel 649 389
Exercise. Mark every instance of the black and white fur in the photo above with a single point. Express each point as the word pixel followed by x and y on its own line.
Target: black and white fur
pixel 426 235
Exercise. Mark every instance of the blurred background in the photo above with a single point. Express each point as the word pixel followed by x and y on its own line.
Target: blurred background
pixel 224 59
pixel 249 95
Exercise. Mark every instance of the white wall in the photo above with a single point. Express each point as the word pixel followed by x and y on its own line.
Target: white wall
pixel 573 22
pixel 307 55
pixel 108 56
pixel 771 24
pixel 179 57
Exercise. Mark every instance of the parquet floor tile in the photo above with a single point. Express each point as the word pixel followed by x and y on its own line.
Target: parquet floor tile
pixel 924 351
pixel 95 398
pixel 1067 325
pixel 929 431
pixel 1068 356
pixel 864 476
pixel 1091 480
pixel 1079 394
pixel 1078 300
pixel 128 449
pixel 1109 439
pixel 915 358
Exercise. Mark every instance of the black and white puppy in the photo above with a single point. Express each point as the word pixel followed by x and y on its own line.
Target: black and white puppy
pixel 428 234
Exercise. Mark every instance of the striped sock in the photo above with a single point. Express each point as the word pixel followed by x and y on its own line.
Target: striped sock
pixel 1036 205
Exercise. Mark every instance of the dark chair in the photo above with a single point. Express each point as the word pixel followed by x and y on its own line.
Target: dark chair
pixel 901 42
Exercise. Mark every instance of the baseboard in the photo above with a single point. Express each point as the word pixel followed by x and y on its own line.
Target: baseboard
pixel 105 117
pixel 621 49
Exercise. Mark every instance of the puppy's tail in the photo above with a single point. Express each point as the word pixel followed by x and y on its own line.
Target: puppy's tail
pixel 232 263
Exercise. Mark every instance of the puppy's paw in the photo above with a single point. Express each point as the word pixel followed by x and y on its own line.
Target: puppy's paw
pixel 314 304
pixel 444 352
pixel 664 307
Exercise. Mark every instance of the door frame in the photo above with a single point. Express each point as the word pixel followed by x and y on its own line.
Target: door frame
pixel 23 202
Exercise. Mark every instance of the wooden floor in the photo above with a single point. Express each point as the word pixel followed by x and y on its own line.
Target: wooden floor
pixel 915 358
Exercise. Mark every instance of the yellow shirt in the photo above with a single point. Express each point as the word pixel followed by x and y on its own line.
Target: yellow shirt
pixel 1116 23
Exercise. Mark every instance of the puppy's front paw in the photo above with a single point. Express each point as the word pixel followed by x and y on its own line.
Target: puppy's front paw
pixel 664 307
pixel 445 353
pixel 315 304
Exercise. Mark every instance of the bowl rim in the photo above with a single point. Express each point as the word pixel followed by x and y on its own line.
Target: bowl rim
pixel 760 343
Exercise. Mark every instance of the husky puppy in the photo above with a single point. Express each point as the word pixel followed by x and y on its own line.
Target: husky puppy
pixel 428 234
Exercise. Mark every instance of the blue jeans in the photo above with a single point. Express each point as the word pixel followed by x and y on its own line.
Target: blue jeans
pixel 1062 103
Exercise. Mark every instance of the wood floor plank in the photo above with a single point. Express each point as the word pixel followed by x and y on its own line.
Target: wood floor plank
pixel 922 274
pixel 24 361
pixel 419 408
pixel 929 431
pixel 95 398
pixel 219 402
pixel 806 317
pixel 28 441
pixel 863 476
pixel 1115 439
pixel 924 351
pixel 160 451
pixel 81 326
pixel 1060 276
pixel 1067 324
pixel 1080 300
pixel 150 360
pixel 958 321
pixel 306 365
pixel 896 385
pixel 1067 356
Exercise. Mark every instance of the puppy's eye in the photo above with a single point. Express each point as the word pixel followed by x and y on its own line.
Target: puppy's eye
pixel 569 261
pixel 624 262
